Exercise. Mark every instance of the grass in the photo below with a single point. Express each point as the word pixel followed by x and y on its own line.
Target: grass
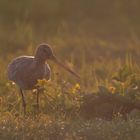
pixel 45 128
pixel 108 62
pixel 59 116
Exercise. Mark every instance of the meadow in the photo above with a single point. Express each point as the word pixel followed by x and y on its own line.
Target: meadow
pixel 99 42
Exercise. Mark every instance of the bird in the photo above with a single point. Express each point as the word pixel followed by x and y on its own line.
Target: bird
pixel 25 71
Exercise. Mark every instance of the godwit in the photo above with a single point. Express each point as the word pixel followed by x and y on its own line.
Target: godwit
pixel 25 71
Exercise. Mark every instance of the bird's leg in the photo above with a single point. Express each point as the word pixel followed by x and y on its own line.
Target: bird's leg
pixel 23 101
pixel 37 101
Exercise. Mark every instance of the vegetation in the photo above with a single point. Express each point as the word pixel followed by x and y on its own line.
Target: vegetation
pixel 100 40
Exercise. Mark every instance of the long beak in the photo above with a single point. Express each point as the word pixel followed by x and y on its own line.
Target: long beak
pixel 65 67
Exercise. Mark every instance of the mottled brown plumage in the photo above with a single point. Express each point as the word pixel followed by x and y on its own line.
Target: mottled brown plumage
pixel 25 71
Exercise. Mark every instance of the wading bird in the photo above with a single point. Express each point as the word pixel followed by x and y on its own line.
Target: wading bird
pixel 25 71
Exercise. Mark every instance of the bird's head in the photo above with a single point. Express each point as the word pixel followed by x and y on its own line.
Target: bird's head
pixel 45 52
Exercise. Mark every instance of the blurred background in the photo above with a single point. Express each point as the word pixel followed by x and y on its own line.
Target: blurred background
pixel 32 21
pixel 95 29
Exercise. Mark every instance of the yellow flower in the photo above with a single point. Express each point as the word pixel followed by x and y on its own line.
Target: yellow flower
pixel 42 82
pixel 0 100
pixel 123 85
pixel 76 88
pixel 73 91
pixel 112 89
pixel 10 84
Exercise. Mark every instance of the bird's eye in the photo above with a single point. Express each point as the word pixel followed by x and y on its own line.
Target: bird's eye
pixel 48 52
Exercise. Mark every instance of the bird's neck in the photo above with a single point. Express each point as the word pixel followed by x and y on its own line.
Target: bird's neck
pixel 39 60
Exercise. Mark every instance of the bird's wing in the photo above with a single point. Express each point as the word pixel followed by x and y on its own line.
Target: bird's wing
pixel 18 66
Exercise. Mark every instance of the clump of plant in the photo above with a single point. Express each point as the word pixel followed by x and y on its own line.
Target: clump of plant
pixel 119 98
pixel 63 98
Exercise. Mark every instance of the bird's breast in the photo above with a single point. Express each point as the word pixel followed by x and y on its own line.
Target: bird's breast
pixel 38 73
